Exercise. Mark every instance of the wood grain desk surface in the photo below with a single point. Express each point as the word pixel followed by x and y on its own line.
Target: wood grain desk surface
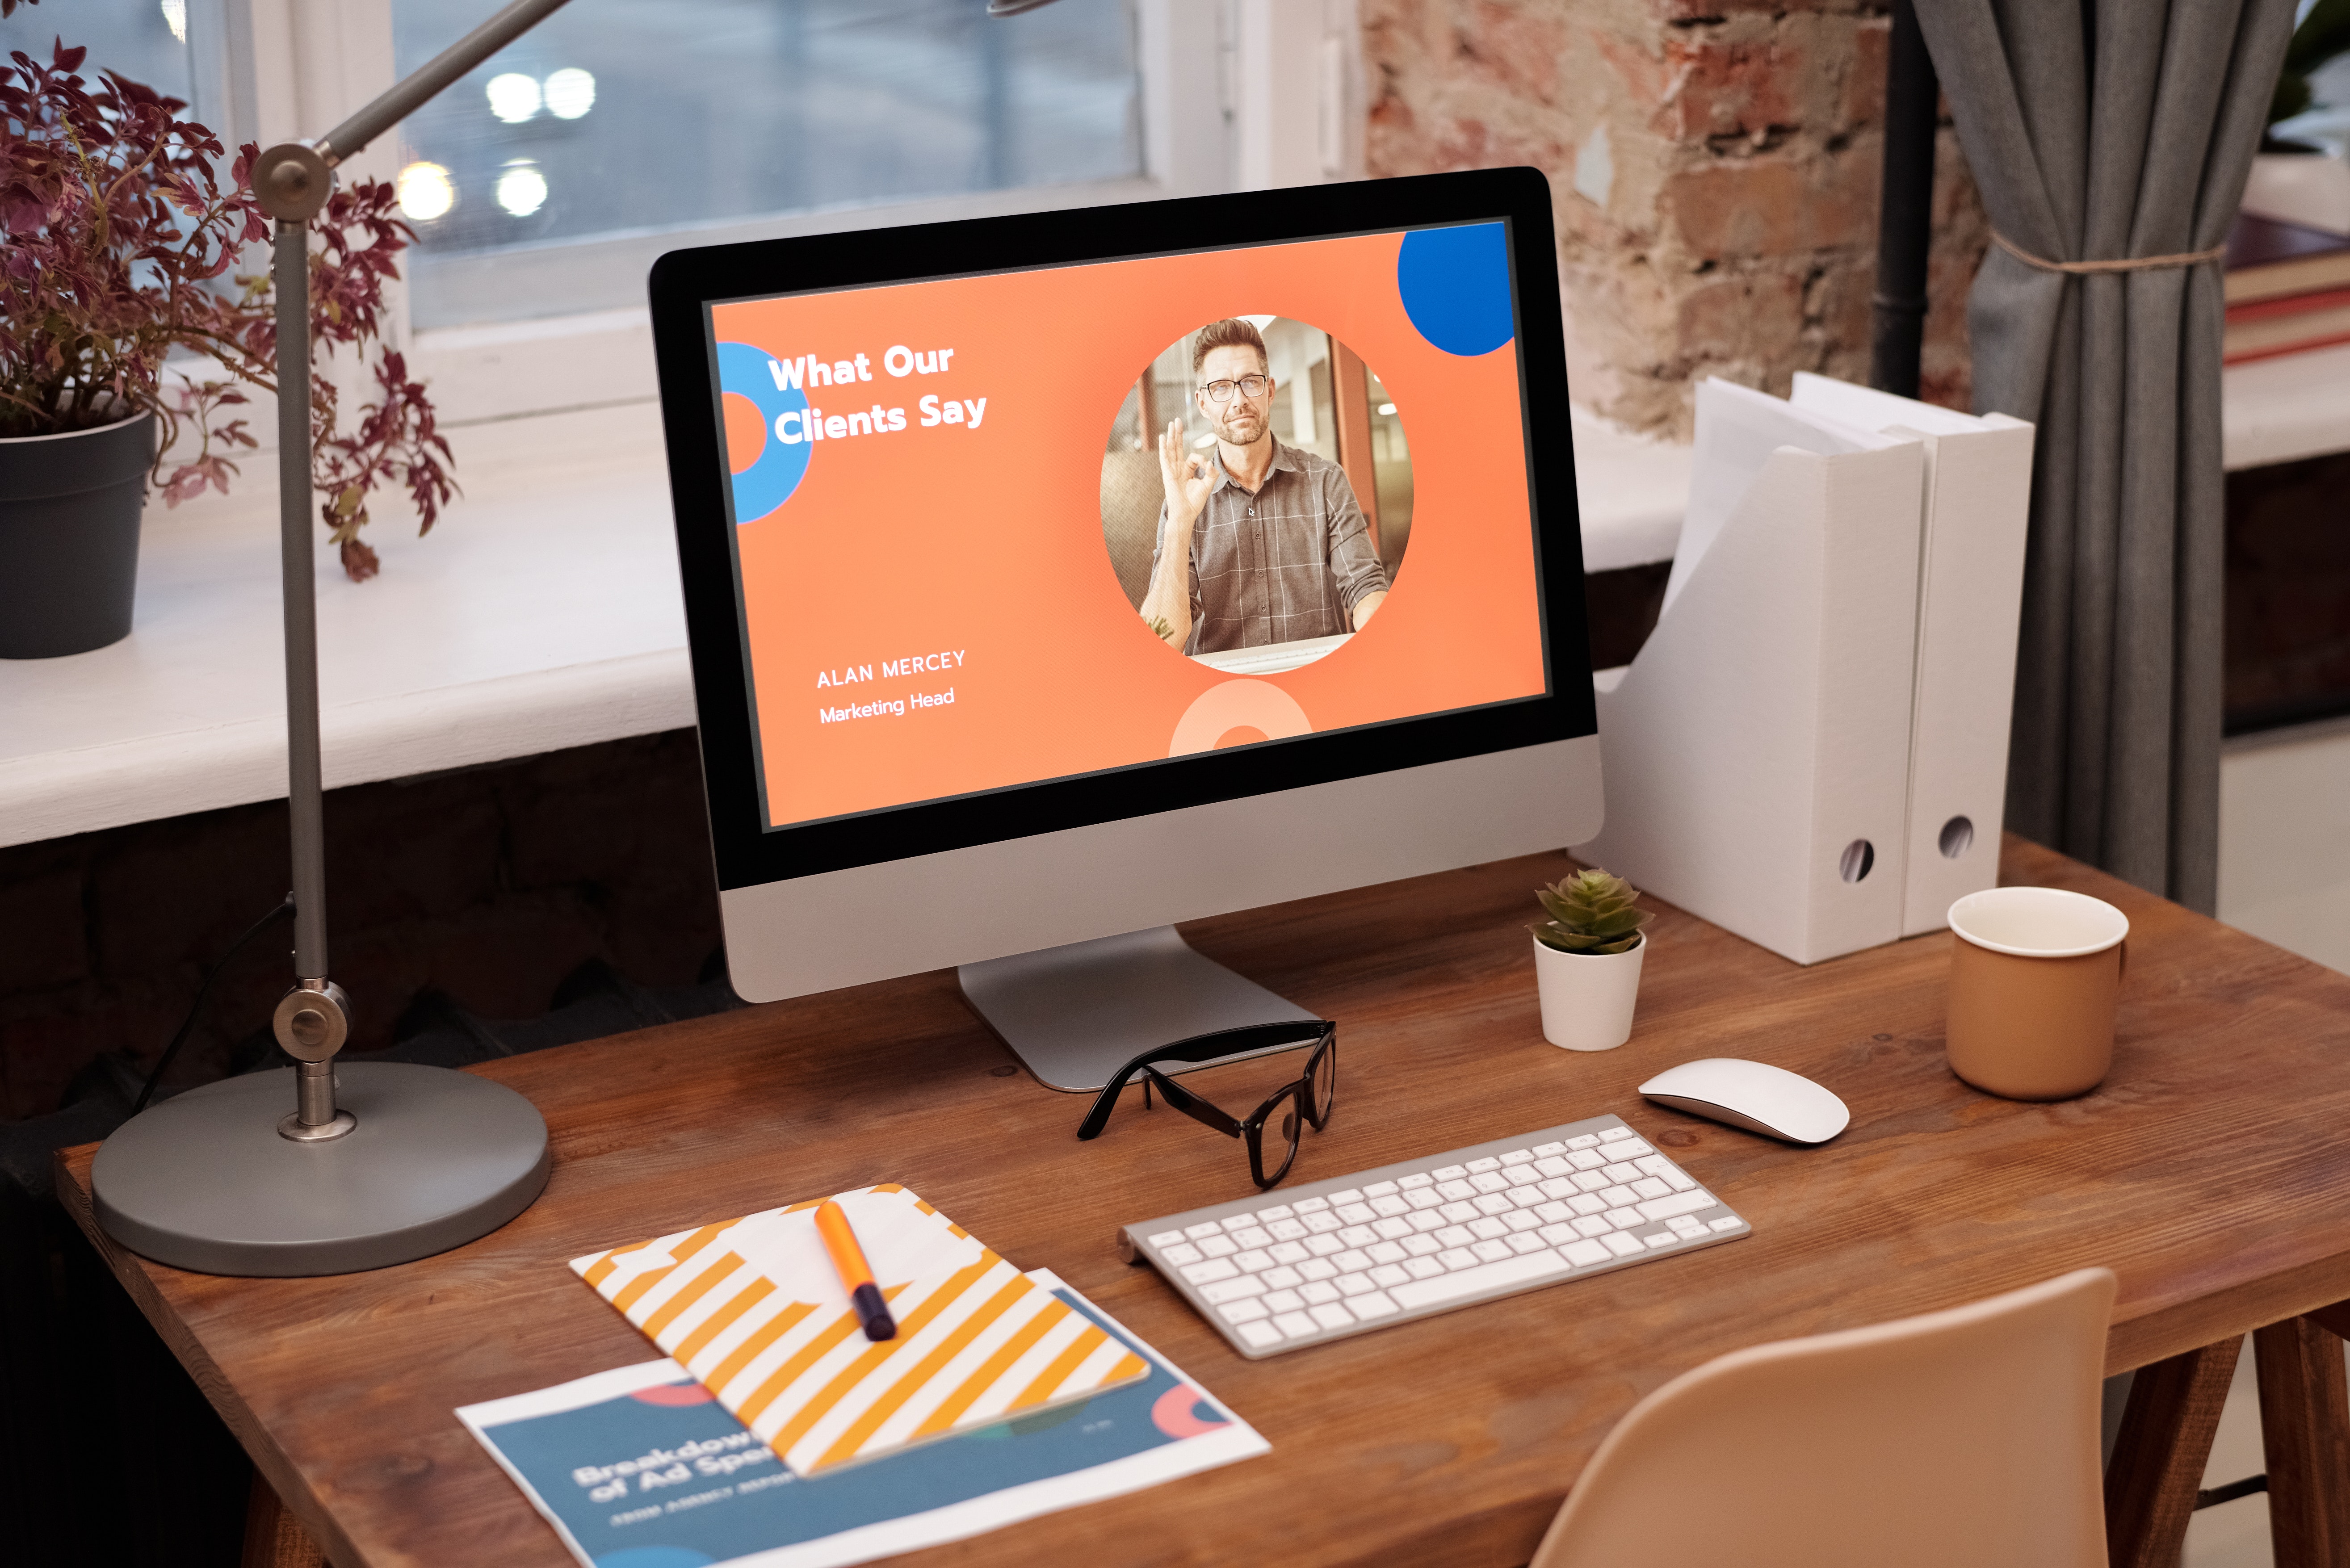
pixel 2211 1171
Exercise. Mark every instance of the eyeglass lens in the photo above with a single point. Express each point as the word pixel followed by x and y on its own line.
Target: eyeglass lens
pixel 1250 387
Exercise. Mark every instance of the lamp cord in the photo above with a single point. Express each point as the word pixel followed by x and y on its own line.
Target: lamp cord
pixel 196 1008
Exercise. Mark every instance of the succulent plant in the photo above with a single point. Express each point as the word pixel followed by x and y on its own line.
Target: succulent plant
pixel 1590 912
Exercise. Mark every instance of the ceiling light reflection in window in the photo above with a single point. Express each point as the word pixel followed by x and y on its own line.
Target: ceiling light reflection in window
pixel 522 190
pixel 425 192
pixel 514 97
pixel 570 93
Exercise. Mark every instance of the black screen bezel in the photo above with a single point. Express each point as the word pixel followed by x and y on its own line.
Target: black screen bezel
pixel 684 283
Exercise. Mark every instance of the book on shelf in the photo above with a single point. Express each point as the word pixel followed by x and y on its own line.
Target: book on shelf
pixel 2262 328
pixel 2269 258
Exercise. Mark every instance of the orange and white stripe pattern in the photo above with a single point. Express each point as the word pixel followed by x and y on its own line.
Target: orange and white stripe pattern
pixel 977 1341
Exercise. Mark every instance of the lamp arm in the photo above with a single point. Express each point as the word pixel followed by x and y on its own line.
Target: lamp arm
pixel 406 97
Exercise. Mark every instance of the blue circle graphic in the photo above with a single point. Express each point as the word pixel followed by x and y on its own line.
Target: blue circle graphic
pixel 1455 284
pixel 782 463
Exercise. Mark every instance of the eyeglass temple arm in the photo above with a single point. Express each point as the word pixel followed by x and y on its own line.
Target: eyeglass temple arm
pixel 1192 1104
pixel 1199 1048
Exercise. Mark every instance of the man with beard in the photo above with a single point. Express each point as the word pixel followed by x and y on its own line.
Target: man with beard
pixel 1271 539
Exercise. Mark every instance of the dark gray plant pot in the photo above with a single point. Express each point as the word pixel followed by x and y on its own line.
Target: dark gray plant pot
pixel 70 509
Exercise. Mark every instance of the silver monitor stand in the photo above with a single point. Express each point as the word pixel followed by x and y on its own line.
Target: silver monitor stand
pixel 1075 1014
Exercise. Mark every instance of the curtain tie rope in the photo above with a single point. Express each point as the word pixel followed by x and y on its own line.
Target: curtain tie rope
pixel 2130 264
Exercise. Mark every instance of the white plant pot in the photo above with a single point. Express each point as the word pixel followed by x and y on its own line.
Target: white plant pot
pixel 1587 998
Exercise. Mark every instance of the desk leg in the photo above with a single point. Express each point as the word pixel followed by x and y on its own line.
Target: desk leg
pixel 2158 1463
pixel 2305 1427
pixel 274 1538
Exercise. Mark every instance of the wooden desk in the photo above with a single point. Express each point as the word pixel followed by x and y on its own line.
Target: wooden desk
pixel 2212 1172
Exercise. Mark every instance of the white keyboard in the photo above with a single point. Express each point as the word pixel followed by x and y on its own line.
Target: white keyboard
pixel 1380 1247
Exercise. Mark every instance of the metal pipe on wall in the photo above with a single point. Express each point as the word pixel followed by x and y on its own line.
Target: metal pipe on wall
pixel 1906 207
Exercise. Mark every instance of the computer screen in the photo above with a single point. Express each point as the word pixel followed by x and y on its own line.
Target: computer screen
pixel 933 486
pixel 1054 577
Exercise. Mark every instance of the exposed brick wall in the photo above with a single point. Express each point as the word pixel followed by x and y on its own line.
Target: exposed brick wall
pixel 489 884
pixel 1715 167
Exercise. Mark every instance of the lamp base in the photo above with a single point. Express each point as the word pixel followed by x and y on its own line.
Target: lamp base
pixel 205 1183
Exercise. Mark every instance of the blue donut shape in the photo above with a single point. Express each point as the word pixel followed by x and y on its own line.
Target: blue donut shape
pixel 767 483
pixel 1455 283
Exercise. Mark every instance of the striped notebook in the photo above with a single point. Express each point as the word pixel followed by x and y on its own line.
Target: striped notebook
pixel 753 1308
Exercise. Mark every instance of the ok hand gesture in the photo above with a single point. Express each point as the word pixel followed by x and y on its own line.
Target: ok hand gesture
pixel 1189 476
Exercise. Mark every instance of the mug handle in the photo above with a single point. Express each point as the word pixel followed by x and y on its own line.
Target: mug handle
pixel 2123 973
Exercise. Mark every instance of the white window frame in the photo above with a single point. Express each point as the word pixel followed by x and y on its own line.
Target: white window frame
pixel 1236 94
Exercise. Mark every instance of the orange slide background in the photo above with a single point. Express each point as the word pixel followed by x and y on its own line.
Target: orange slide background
pixel 990 541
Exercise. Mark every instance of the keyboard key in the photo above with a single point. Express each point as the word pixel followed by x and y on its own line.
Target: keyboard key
pixel 1422 1246
pixel 1393 1230
pixel 1526 1241
pixel 1727 1222
pixel 1284 1301
pixel 1209 1272
pixel 1591 1225
pixel 1455 1236
pixel 1522 1175
pixel 1518 1157
pixel 1456 1191
pixel 1218 1246
pixel 1358 1235
pixel 1353 1285
pixel 1334 1316
pixel 1490 1252
pixel 1488 1163
pixel 1247 1310
pixel 1340 1200
pixel 1423 1198
pixel 1682 1225
pixel 1459 1213
pixel 1389 1205
pixel 1516 1270
pixel 1559 1187
pixel 1323 1246
pixel 1386 1253
pixel 1676 1181
pixel 1616 1196
pixel 1492 1203
pixel 1661 1239
pixel 1278 1211
pixel 1584 1203
pixel 1317 1268
pixel 1378 1189
pixel 1554 1213
pixel 1624 1219
pixel 1288 1252
pixel 1654 1165
pixel 1282 1278
pixel 1629 1149
pixel 1585 1141
pixel 1422 1267
pixel 1181 1252
pixel 1621 1172
pixel 1205 1228
pixel 1355 1213
pixel 1488 1227
pixel 1541 1148
pixel 1489 1181
pixel 1321 1222
pixel 1347 1262
pixel 1390 1274
pixel 1450 1173
pixel 1554 1166
pixel 1584 1160
pixel 1623 1246
pixel 1252 1261
pixel 1224 1291
pixel 1413 1183
pixel 1521 1220
pixel 1650 1186
pixel 1296 1325
pixel 1250 1236
pixel 1525 1197
pixel 1166 1238
pixel 1590 1181
pixel 1688 1203
pixel 1583 1254
pixel 1458 1258
pixel 1260 1334
pixel 1614 1135
pixel 1559 1235
pixel 1373 1305
pixel 1316 1291
pixel 1428 1220
pixel 1305 1205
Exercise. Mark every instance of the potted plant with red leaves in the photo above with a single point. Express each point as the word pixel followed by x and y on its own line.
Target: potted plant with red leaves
pixel 128 339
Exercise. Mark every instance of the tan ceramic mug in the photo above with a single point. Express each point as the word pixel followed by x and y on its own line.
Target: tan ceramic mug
pixel 2034 977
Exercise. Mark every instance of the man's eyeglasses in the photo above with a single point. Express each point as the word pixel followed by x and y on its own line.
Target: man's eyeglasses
pixel 1307 1100
pixel 1250 387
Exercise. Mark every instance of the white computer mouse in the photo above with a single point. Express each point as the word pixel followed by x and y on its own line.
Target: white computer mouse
pixel 1752 1094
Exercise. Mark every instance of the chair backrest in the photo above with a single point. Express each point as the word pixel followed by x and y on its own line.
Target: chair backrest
pixel 1960 1437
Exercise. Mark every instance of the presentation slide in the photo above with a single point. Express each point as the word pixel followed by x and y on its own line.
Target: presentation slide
pixel 1000 529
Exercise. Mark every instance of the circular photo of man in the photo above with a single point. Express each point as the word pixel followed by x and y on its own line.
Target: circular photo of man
pixel 1256 495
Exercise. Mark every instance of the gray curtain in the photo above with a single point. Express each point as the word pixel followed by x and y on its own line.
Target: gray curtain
pixel 2104 131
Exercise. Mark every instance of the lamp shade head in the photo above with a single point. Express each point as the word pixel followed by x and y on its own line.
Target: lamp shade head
pixel 1013 7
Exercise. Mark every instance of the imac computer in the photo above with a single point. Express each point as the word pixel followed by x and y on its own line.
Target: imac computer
pixel 1051 579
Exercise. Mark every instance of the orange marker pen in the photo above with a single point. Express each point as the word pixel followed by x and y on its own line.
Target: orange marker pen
pixel 848 1258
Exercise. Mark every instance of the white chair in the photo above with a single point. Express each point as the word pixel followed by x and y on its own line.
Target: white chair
pixel 1965 1439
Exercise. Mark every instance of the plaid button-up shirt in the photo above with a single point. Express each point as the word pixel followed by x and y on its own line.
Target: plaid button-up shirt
pixel 1289 562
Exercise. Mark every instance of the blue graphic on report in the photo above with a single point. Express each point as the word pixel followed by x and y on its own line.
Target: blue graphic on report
pixel 775 467
pixel 1455 284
